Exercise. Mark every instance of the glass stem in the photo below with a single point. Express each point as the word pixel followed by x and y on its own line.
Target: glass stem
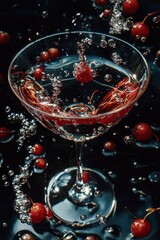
pixel 79 153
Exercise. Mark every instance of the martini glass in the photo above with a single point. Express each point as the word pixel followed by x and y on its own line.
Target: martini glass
pixel 79 85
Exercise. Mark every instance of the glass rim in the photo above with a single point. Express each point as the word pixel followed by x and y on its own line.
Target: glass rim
pixel 26 104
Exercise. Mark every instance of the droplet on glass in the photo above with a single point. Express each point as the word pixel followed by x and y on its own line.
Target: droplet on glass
pixel 113 230
pixel 102 220
pixel 83 217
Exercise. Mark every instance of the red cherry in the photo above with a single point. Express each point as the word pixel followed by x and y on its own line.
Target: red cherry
pixel 49 213
pixel 4 133
pixel 109 145
pixel 140 227
pixel 53 53
pixel 38 72
pixel 140 29
pixel 83 73
pixel 91 237
pixel 130 7
pixel 38 212
pixel 40 163
pixel 37 149
pixel 4 37
pixel 85 176
pixel 45 56
pixel 142 132
pixel 106 13
pixel 101 2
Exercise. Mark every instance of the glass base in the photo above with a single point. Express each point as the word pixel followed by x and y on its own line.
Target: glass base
pixel 95 202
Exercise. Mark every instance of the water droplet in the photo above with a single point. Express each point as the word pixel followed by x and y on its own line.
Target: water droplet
pixel 4 177
pixel 156 19
pixel 10 172
pixel 128 139
pixel 154 176
pixel 113 230
pixel 1 159
pixel 6 184
pixel 103 43
pixel 7 109
pixel 83 217
pixel 4 224
pixel 112 43
pixel 44 14
pixel 134 180
pixel 112 174
pixel 143 39
pixel 108 78
pixel 102 220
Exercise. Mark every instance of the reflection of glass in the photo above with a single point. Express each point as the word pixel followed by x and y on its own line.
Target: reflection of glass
pixel 83 91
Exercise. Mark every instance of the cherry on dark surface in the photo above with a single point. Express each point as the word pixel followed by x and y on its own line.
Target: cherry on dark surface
pixel 40 163
pixel 140 227
pixel 109 146
pixel 4 37
pixel 140 29
pixel 38 212
pixel 37 149
pixel 142 131
pixel 130 7
pixel 4 133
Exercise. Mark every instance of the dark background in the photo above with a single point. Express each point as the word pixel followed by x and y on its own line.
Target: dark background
pixel 29 20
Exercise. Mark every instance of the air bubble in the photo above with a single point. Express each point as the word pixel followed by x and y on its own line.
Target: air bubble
pixel 154 176
pixel 44 14
pixel 108 78
pixel 10 172
pixel 112 43
pixel 4 224
pixel 103 43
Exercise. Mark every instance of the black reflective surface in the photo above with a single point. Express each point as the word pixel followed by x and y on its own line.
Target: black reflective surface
pixel 134 169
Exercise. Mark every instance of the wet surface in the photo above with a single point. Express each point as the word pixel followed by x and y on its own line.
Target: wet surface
pixel 133 167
